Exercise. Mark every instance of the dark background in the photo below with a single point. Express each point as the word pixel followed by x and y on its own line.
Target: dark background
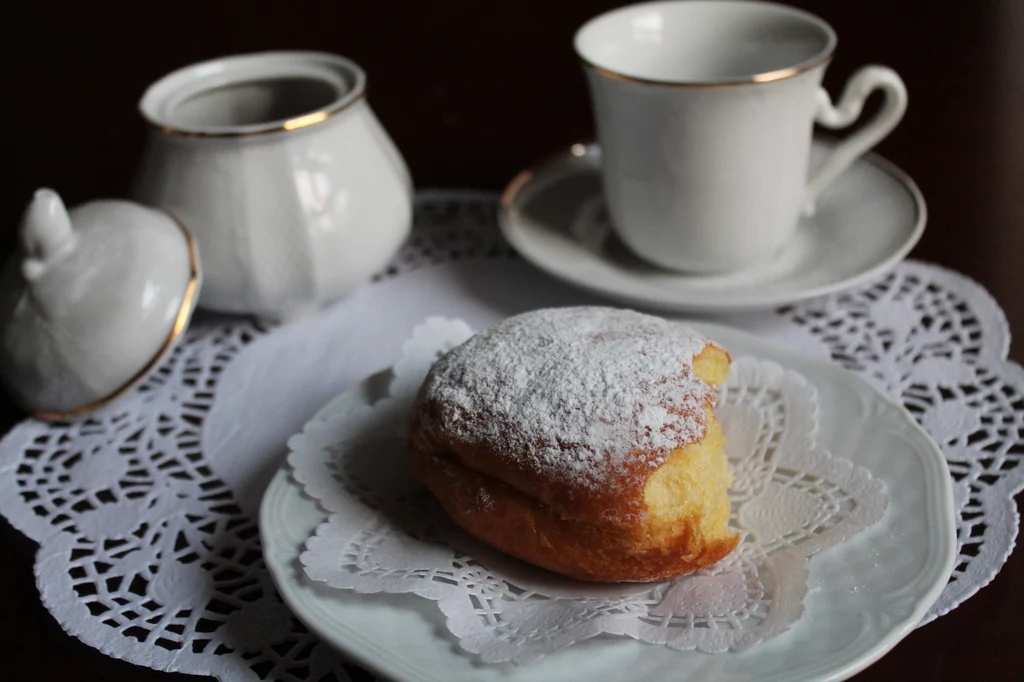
pixel 472 92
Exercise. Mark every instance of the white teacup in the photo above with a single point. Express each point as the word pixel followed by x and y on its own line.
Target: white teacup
pixel 704 112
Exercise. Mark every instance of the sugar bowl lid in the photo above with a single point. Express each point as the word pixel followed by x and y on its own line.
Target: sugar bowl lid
pixel 92 301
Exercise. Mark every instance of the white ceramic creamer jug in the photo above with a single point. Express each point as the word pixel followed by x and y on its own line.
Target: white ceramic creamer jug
pixel 290 185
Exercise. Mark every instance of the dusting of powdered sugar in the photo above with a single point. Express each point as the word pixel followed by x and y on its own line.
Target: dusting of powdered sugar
pixel 574 394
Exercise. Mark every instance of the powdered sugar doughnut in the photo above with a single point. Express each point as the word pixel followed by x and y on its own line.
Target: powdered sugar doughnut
pixel 591 434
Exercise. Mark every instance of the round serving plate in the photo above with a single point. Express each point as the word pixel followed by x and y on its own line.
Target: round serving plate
pixel 864 595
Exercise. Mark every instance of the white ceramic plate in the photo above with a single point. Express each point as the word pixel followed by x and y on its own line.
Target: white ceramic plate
pixel 866 222
pixel 864 595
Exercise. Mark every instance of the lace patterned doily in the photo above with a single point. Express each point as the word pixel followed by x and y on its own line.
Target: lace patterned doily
pixel 790 497
pixel 145 513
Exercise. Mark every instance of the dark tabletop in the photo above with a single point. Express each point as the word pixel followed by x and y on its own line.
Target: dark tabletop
pixel 472 93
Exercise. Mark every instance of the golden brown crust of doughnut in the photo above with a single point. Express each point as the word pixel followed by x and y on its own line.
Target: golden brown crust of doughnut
pixel 509 520
pixel 606 534
pixel 620 499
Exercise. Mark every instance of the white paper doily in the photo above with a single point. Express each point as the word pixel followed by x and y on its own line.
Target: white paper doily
pixel 791 499
pixel 189 453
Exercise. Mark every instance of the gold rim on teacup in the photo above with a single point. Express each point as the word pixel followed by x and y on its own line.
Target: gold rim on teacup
pixel 756 79
pixel 654 13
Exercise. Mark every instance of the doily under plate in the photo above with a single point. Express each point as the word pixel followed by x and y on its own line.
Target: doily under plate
pixel 185 458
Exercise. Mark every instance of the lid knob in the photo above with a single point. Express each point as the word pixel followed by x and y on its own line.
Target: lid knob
pixel 46 233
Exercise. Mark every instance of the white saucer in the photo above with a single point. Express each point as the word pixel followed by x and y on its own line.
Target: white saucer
pixel 866 222
pixel 864 594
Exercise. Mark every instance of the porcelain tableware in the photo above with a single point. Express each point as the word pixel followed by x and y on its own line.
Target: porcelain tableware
pixel 704 110
pixel 92 301
pixel 275 161
pixel 865 594
pixel 867 221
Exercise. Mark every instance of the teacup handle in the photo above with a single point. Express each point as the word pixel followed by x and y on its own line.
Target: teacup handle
pixel 860 85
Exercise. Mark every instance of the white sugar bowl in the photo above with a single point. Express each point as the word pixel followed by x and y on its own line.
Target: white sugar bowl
pixel 289 183
pixel 92 301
